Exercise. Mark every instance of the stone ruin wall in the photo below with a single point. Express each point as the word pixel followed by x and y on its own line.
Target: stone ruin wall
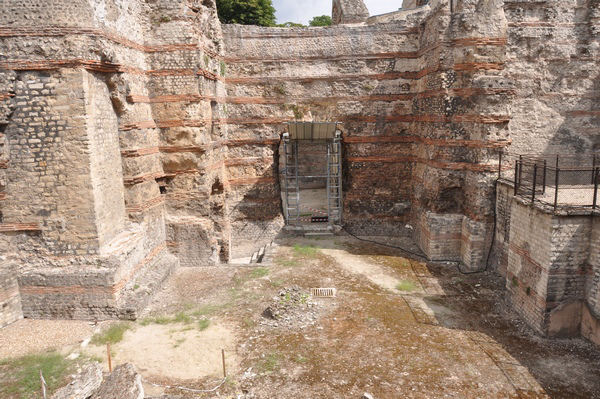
pixel 134 131
pixel 421 104
pixel 104 102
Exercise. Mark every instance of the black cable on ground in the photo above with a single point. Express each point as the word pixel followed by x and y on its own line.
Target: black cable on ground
pixel 408 251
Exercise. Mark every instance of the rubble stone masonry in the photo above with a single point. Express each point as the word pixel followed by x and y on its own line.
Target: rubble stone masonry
pixel 136 136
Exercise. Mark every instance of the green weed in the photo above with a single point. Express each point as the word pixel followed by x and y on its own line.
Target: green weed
pixel 406 285
pixel 111 335
pixel 259 272
pixel 203 324
pixel 305 250
pixel 20 378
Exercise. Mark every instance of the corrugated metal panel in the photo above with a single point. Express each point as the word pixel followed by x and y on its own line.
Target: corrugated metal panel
pixel 312 130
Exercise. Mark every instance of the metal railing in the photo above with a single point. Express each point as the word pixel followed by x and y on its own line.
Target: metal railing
pixel 559 181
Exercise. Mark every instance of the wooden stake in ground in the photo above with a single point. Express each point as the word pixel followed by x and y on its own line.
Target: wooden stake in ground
pixel 43 382
pixel 109 359
pixel 223 356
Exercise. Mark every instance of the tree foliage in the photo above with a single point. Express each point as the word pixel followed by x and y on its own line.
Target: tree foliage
pixel 290 25
pixel 246 12
pixel 323 20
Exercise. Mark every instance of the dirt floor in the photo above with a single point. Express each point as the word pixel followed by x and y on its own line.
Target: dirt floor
pixel 396 328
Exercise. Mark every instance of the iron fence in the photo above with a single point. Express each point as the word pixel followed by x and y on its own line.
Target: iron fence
pixel 559 181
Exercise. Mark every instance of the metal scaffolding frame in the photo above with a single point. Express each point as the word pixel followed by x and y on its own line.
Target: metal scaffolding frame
pixel 291 179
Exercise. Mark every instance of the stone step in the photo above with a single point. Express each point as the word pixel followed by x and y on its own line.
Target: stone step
pixel 138 293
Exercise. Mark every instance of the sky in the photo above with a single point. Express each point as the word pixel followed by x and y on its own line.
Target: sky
pixel 303 10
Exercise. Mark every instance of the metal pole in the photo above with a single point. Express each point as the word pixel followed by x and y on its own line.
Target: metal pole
pixel 223 357
pixel 556 181
pixel 109 358
pixel 534 182
pixel 516 188
pixel 499 160
pixel 544 179
pixel 285 180
pixel 596 181
pixel 593 168
pixel 520 171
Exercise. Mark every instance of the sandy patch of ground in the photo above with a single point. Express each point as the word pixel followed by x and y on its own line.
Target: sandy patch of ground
pixel 355 264
pixel 30 336
pixel 174 351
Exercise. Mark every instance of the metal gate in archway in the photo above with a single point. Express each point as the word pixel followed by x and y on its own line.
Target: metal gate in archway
pixel 327 134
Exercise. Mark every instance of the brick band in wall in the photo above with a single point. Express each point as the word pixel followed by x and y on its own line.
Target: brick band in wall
pixel 78 289
pixel 448 165
pixel 101 66
pixel 132 180
pixel 4 227
pixel 191 98
pixel 466 118
pixel 52 31
pixel 146 205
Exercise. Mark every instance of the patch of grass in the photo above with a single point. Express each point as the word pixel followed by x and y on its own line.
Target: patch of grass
pixel 178 342
pixel 111 335
pixel 280 89
pixel 300 359
pixel 203 324
pixel 248 322
pixel 259 272
pixel 288 262
pixel 406 285
pixel 135 287
pixel 208 309
pixel 305 250
pixel 223 68
pixel 20 378
pixel 182 317
pixel 276 283
pixel 269 363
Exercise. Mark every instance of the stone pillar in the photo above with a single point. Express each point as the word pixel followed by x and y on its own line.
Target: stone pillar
pixel 349 12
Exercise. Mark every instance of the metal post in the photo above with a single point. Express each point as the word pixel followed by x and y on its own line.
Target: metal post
pixel 534 182
pixel 516 175
pixel 544 179
pixel 520 169
pixel 556 181
pixel 499 161
pixel 593 168
pixel 596 181
pixel 285 179
pixel 223 357
pixel 108 357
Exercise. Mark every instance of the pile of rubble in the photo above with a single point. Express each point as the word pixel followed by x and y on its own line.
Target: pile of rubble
pixel 291 308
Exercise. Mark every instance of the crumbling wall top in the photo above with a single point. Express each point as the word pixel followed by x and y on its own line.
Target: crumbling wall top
pixel 349 12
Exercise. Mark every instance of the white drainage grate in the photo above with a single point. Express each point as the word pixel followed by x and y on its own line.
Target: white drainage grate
pixel 323 292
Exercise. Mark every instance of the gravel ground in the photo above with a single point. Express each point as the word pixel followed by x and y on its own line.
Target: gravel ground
pixel 29 336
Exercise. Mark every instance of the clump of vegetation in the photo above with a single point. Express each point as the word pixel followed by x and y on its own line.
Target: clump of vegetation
pixel 223 68
pixel 203 324
pixel 406 285
pixel 269 363
pixel 280 89
pixel 112 334
pixel 246 12
pixel 307 251
pixel 321 20
pixel 259 272
pixel 20 378
pixel 290 25
pixel 190 316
